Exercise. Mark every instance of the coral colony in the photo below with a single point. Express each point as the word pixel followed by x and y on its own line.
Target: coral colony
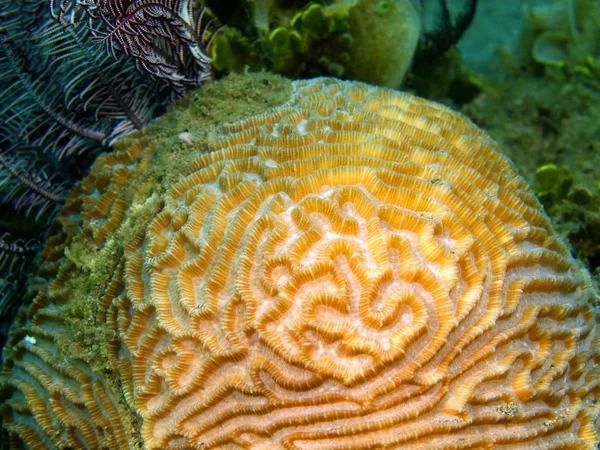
pixel 354 268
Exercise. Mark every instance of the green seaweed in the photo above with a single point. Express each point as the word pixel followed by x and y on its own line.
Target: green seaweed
pixel 368 40
pixel 552 184
pixel 563 34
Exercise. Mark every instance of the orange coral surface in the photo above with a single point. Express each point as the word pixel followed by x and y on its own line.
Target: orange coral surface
pixel 355 269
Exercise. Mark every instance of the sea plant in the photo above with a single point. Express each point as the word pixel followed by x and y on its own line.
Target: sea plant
pixel 561 33
pixel 369 40
pixel 75 76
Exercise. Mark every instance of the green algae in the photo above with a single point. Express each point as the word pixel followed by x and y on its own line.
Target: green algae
pixel 560 33
pixel 509 409
pixel 552 184
pixel 366 40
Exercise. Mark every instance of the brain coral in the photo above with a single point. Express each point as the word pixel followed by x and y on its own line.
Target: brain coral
pixel 356 268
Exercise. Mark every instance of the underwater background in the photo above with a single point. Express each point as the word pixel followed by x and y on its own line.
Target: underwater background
pixel 73 82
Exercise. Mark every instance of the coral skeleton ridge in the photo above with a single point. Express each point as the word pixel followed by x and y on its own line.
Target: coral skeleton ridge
pixel 355 268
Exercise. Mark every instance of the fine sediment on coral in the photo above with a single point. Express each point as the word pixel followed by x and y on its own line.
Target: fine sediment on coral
pixel 316 264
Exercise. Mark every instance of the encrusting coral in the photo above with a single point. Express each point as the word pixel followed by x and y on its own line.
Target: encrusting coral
pixel 354 268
